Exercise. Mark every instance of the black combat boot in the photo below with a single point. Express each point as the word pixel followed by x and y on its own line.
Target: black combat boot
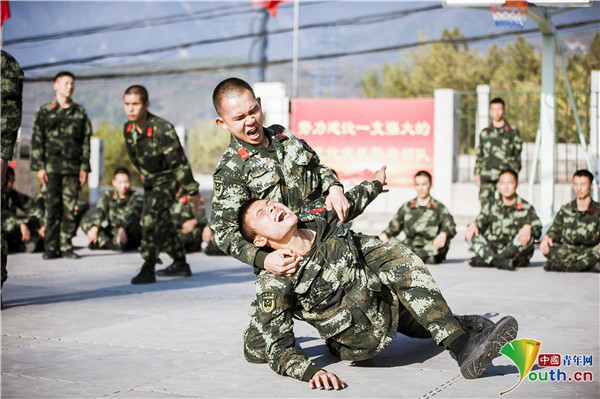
pixel 474 324
pixel 70 254
pixel 432 260
pixel 595 268
pixel 146 274
pixel 179 268
pixel 552 266
pixel 504 264
pixel 51 254
pixel 476 261
pixel 481 348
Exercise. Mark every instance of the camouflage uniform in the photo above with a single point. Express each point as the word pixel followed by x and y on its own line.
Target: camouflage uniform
pixel 289 171
pixel 498 227
pixel 61 145
pixel 422 224
pixel 81 207
pixel 182 211
pixel 356 290
pixel 11 222
pixel 576 237
pixel 499 149
pixel 159 156
pixel 12 102
pixel 112 213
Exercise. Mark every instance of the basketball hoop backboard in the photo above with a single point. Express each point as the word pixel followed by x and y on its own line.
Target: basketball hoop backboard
pixel 543 3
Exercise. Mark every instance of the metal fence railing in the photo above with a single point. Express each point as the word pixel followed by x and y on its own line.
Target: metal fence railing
pixel 523 112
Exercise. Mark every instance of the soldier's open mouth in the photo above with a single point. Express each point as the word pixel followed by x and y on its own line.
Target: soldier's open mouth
pixel 280 216
pixel 253 134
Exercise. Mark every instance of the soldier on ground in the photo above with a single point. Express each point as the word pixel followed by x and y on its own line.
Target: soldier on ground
pixel 12 105
pixel 60 155
pixel 427 223
pixel 267 163
pixel 499 149
pixel 116 221
pixel 504 232
pixel 572 243
pixel 356 296
pixel 22 233
pixel 155 150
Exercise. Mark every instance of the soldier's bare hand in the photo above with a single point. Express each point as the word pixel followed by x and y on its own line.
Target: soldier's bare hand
pixel 384 237
pixel 92 235
pixel 42 231
pixel 197 203
pixel 472 230
pixel 324 380
pixel 188 226
pixel 207 234
pixel 440 240
pixel 282 262
pixel 477 180
pixel 381 176
pixel 336 200
pixel 545 244
pixel 525 234
pixel 25 234
pixel 83 175
pixel 42 177
pixel 122 236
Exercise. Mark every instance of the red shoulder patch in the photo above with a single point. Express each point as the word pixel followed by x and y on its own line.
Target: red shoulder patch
pixel 129 127
pixel 317 210
pixel 149 132
pixel 243 153
pixel 184 199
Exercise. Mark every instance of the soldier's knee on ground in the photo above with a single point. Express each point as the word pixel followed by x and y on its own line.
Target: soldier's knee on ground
pixel 254 346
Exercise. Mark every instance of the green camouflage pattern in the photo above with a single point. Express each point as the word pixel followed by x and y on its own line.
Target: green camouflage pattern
pixel 60 198
pixel 576 237
pixel 158 154
pixel 351 288
pixel 15 201
pixel 422 224
pixel 498 227
pixel 81 207
pixel 499 149
pixel 112 213
pixel 12 103
pixel 60 142
pixel 245 171
pixel 182 211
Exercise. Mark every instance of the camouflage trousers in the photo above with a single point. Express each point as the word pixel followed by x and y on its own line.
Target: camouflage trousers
pixel 159 230
pixel 60 198
pixel 512 250
pixel 107 237
pixel 423 312
pixel 487 191
pixel 193 240
pixel 577 258
pixel 427 250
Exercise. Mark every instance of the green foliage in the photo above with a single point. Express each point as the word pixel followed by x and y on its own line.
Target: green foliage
pixel 206 144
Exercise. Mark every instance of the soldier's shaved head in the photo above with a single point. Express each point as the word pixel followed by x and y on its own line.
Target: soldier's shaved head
pixel 584 173
pixel 230 86
pixel 425 174
pixel 139 90
pixel 512 172
pixel 247 232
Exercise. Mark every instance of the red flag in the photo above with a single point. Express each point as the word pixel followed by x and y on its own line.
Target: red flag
pixel 4 11
pixel 271 5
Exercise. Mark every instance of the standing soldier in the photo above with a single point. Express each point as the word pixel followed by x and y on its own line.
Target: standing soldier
pixel 121 209
pixel 572 243
pixel 155 150
pixel 60 154
pixel 499 149
pixel 502 236
pixel 12 102
pixel 427 223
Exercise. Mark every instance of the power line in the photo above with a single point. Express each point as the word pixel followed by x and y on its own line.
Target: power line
pixel 360 20
pixel 246 65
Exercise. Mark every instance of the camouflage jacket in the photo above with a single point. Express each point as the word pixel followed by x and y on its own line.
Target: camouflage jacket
pixel 182 210
pixel 158 154
pixel 499 149
pixel 574 227
pixel 333 290
pixel 245 171
pixel 422 224
pixel 12 103
pixel 116 212
pixel 16 200
pixel 499 223
pixel 61 139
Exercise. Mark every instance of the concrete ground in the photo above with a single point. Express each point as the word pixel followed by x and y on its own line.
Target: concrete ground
pixel 78 329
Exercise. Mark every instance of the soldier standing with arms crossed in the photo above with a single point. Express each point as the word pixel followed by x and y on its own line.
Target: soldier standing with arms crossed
pixel 155 150
pixel 499 149
pixel 60 154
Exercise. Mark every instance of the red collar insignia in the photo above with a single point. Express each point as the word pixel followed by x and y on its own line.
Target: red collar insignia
pixel 149 132
pixel 431 205
pixel 519 206
pixel 184 199
pixel 129 127
pixel 243 153
pixel 412 204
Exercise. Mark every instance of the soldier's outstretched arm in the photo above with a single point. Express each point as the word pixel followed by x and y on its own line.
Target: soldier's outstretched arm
pixel 361 195
pixel 326 380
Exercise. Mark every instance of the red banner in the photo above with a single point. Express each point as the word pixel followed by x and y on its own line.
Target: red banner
pixel 4 11
pixel 357 136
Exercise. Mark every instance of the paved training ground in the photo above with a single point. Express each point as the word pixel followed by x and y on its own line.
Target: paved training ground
pixel 78 329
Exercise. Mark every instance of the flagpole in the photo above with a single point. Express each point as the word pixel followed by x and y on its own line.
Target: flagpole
pixel 295 50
